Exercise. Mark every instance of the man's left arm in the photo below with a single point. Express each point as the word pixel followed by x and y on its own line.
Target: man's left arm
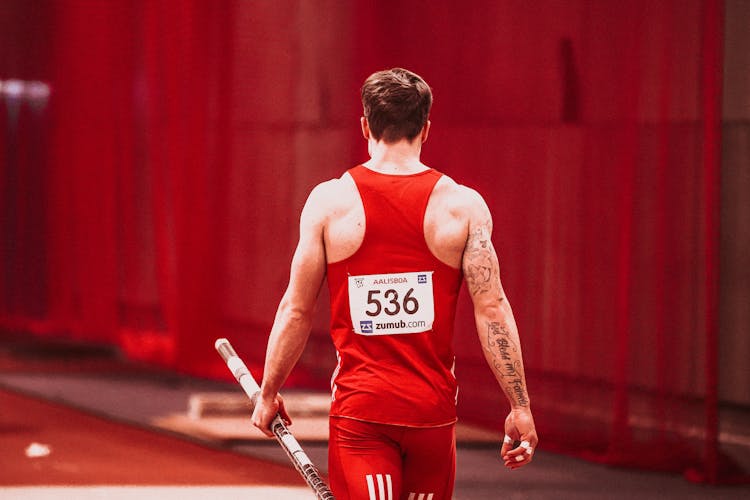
pixel 498 333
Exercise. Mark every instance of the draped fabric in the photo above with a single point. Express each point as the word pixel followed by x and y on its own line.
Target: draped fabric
pixel 153 204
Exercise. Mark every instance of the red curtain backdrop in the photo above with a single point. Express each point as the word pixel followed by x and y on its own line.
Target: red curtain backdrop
pixel 153 205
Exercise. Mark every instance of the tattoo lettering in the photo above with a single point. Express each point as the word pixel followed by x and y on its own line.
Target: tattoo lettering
pixel 502 349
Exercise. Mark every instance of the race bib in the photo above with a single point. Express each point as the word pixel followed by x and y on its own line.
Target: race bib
pixel 391 304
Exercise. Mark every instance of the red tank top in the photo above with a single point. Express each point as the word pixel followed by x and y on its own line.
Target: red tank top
pixel 392 311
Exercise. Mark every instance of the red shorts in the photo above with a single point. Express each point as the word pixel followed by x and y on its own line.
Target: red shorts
pixel 368 461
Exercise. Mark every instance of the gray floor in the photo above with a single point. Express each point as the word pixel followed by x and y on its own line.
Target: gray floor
pixel 480 475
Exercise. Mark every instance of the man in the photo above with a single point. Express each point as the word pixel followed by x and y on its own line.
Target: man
pixel 394 239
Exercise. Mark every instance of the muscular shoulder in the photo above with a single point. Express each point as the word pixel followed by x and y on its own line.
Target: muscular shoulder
pixel 331 197
pixel 333 187
pixel 459 200
pixel 451 214
pixel 335 208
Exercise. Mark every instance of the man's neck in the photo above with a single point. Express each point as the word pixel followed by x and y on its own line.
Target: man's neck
pixel 400 158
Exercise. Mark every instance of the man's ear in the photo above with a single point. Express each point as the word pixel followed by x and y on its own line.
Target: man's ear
pixel 426 131
pixel 365 128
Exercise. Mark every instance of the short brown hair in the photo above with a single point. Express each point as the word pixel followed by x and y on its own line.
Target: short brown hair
pixel 396 104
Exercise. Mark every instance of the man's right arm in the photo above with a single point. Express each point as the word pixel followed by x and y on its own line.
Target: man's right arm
pixel 293 320
pixel 497 330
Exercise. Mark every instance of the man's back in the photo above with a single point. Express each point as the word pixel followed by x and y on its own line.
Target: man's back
pixel 392 301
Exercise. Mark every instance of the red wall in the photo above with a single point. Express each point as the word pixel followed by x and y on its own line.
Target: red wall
pixel 181 140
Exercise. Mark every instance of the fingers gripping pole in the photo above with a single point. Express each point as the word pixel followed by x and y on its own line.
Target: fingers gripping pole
pixel 285 438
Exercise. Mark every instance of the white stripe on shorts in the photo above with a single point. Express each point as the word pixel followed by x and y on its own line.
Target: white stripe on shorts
pixel 385 486
pixel 371 487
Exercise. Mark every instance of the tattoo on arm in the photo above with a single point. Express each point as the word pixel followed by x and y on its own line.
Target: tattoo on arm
pixel 479 270
pixel 506 361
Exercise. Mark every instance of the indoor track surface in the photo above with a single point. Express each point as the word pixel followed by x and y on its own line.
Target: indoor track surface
pixel 79 424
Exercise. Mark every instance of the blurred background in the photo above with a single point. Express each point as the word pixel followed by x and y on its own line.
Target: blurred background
pixel 155 155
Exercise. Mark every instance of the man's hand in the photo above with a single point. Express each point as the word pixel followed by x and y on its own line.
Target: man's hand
pixel 519 426
pixel 265 411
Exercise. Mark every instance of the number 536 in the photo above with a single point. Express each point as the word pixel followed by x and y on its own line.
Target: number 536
pixel 393 306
